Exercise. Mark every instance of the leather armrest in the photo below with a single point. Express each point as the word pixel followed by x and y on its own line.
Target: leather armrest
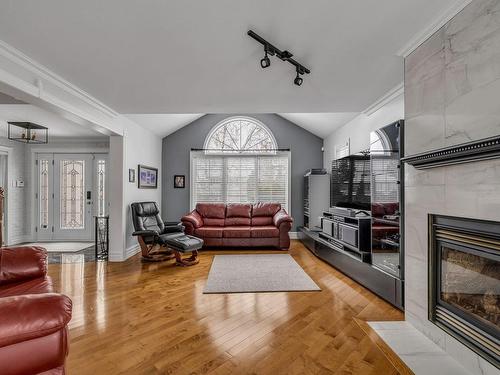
pixel 145 233
pixel 21 263
pixel 173 227
pixel 194 218
pixel 171 223
pixel 32 315
pixel 281 217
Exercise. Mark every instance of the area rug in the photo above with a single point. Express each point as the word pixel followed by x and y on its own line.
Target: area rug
pixel 257 273
pixel 62 247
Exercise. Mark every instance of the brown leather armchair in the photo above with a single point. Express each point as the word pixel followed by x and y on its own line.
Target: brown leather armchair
pixel 33 319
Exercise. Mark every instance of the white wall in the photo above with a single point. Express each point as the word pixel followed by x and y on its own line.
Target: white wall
pixel 137 146
pixel 359 128
pixel 15 196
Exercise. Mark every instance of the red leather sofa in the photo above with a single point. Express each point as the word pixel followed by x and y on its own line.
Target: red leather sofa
pixel 240 225
pixel 33 319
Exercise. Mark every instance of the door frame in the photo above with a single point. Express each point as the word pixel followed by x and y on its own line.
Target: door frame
pixel 33 198
pixel 6 150
pixel 85 233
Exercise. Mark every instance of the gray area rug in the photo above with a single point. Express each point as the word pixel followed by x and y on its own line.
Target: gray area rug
pixel 257 273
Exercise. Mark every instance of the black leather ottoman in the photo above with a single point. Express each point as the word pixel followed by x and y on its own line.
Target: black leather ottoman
pixel 183 243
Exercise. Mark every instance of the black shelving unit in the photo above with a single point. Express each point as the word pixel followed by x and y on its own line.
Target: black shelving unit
pixel 350 234
pixel 379 282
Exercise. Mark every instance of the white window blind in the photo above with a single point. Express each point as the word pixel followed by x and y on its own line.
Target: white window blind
pixel 240 179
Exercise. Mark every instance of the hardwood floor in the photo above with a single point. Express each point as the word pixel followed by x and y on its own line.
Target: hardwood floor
pixel 140 318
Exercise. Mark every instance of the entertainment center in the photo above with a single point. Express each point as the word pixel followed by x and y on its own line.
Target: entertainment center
pixel 360 232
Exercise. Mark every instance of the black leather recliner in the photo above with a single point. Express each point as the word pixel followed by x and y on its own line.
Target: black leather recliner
pixel 161 240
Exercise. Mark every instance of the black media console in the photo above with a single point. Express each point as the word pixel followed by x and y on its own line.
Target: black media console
pixel 348 259
pixel 352 234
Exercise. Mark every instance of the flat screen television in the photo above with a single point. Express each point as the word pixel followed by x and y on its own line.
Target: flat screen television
pixel 350 185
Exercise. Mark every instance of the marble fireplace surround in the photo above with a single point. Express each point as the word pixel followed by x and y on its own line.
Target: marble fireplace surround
pixel 452 86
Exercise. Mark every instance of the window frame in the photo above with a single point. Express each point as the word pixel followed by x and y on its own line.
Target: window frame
pixel 192 157
pixel 227 120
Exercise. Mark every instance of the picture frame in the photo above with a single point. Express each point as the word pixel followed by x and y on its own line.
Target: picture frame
pixel 131 175
pixel 147 177
pixel 179 181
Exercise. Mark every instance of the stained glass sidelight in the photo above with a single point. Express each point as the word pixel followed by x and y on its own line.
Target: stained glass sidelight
pixel 72 194
pixel 44 193
pixel 101 187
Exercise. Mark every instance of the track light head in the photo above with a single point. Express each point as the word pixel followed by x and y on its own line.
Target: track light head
pixel 298 81
pixel 265 62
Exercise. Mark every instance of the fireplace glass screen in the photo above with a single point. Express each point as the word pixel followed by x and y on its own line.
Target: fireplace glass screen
pixel 464 288
pixel 471 284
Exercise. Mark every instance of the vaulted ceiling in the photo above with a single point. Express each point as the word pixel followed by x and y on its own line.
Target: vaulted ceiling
pixel 188 56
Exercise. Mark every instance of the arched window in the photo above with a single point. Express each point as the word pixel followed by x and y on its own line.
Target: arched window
pixel 240 135
pixel 240 164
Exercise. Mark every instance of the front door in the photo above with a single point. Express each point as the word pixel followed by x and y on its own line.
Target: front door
pixel 65 199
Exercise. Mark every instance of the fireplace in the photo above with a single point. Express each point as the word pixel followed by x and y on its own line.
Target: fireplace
pixel 464 281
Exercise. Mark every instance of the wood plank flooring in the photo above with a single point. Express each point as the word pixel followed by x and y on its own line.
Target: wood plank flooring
pixel 152 318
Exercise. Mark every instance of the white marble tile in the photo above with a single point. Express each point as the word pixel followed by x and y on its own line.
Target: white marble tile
pixel 474 115
pixel 469 359
pixel 416 350
pixel 452 97
pixel 419 177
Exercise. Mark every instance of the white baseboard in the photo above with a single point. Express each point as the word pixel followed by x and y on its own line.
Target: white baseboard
pixel 294 235
pixel 131 251
pixel 19 240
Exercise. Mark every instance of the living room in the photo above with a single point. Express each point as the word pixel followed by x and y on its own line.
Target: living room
pixel 249 188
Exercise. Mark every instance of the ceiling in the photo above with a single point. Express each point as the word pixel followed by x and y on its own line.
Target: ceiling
pixel 164 124
pixel 188 56
pixel 320 124
pixel 58 126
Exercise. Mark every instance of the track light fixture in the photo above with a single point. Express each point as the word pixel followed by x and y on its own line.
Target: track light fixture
pixel 298 81
pixel 265 62
pixel 269 49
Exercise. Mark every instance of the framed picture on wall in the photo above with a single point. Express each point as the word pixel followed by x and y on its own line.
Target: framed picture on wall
pixel 179 181
pixel 131 175
pixel 147 177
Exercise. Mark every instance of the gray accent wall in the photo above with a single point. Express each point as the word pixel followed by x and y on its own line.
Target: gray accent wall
pixel 305 154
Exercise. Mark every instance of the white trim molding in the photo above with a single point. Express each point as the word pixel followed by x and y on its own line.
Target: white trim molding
pixel 294 235
pixel 30 81
pixel 388 97
pixel 439 21
pixel 131 251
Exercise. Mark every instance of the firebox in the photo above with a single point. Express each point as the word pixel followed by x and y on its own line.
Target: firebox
pixel 464 281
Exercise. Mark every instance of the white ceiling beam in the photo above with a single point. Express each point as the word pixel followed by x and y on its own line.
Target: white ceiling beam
pixel 31 82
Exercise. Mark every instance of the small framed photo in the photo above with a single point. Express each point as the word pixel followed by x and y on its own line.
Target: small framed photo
pixel 131 175
pixel 147 177
pixel 179 181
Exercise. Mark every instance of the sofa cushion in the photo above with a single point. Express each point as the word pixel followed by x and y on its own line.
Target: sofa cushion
pixel 211 210
pixel 265 209
pixel 34 286
pixel 241 221
pixel 236 232
pixel 33 315
pixel 239 210
pixel 22 263
pixel 264 231
pixel 209 232
pixel 211 222
pixel 262 220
